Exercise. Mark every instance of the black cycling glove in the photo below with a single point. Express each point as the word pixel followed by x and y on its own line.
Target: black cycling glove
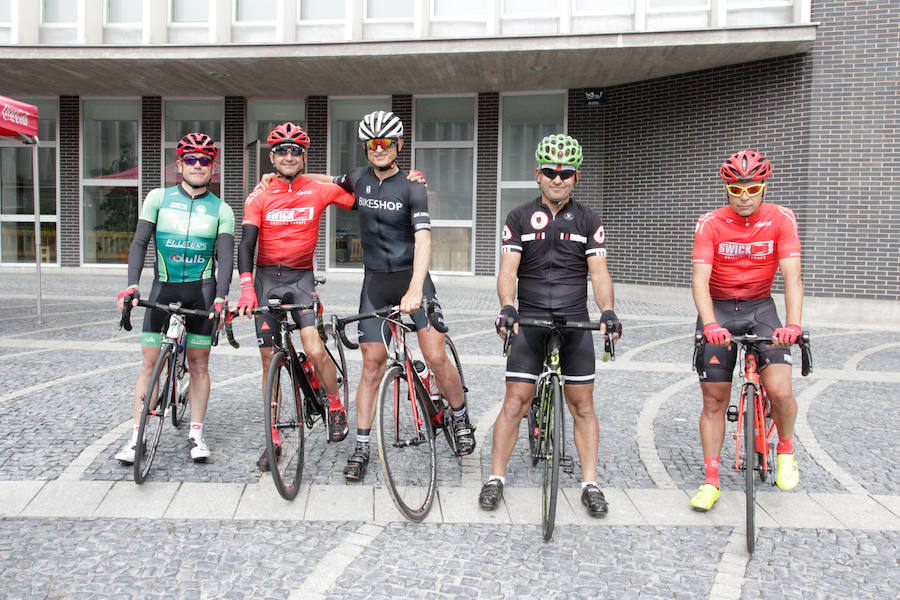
pixel 508 317
pixel 610 315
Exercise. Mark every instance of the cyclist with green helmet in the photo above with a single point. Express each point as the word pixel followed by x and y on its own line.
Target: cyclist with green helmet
pixel 549 247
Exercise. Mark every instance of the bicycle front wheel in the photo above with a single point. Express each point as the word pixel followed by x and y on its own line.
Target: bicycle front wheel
pixel 335 350
pixel 446 416
pixel 284 426
pixel 534 430
pixel 182 380
pixel 153 413
pixel 749 397
pixel 552 442
pixel 406 445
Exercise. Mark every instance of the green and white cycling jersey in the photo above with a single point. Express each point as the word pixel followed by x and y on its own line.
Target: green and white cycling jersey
pixel 186 231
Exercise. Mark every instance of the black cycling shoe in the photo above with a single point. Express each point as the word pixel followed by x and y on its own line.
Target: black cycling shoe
pixel 593 499
pixel 464 432
pixel 263 461
pixel 491 493
pixel 356 465
pixel 337 425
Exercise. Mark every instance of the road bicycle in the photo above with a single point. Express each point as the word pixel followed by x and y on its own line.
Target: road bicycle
pixel 167 390
pixel 545 417
pixel 755 433
pixel 293 395
pixel 410 412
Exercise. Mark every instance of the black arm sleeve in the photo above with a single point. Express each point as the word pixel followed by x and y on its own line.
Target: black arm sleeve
pixel 247 248
pixel 138 250
pixel 225 256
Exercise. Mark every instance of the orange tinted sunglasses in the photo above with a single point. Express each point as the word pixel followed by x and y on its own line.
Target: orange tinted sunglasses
pixel 385 143
pixel 751 190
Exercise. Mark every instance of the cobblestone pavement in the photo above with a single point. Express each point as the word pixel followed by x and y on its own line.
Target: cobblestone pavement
pixel 74 525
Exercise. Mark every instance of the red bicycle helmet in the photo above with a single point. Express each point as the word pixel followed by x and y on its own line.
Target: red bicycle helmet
pixel 290 133
pixel 196 142
pixel 746 165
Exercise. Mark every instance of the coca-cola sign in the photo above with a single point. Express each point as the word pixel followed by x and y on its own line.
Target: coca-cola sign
pixel 17 119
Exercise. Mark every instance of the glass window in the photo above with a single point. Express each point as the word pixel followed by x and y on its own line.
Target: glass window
pixel 187 116
pixel 316 10
pixel 111 176
pixel 459 8
pixel 124 11
pixel 592 7
pixel 445 119
pixel 18 241
pixel 346 153
pixel 190 11
pixel 677 3
pixel 262 117
pixel 526 119
pixel 59 11
pixel 17 180
pixel 254 10
pixel 528 7
pixel 389 9
pixel 5 11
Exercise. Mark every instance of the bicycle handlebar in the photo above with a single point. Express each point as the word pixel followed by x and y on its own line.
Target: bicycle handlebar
pixel 275 307
pixel 382 313
pixel 170 308
pixel 560 323
pixel 751 340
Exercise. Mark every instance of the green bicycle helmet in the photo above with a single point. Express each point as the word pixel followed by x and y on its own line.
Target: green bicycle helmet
pixel 559 149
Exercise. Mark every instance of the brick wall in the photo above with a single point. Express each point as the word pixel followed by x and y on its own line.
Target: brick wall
pixel 151 157
pixel 317 158
pixel 486 240
pixel 402 107
pixel 232 162
pixel 69 182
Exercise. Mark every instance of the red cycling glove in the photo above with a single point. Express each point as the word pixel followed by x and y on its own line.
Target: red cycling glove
pixel 715 333
pixel 788 333
pixel 248 293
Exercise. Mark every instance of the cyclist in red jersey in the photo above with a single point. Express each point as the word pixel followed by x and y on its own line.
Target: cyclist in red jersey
pixel 737 251
pixel 284 220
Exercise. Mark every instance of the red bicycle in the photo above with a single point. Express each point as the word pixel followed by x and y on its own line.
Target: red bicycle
pixel 755 452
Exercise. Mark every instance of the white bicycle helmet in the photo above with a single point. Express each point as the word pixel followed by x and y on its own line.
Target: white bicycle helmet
pixel 380 124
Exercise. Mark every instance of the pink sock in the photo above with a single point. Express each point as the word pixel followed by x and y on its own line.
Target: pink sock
pixel 785 446
pixel 712 471
pixel 334 402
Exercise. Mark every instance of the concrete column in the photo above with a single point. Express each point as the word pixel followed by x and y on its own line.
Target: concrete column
pixel 286 20
pixel 802 11
pixel 640 15
pixel 353 15
pixel 718 13
pixel 25 16
pixel 565 16
pixel 90 22
pixel 220 17
pixel 493 17
pixel 422 16
pixel 155 21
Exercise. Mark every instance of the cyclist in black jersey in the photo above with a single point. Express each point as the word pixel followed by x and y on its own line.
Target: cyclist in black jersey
pixel 550 246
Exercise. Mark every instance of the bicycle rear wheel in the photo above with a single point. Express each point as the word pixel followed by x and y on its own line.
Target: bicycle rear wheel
pixel 340 361
pixel 749 397
pixel 552 439
pixel 182 380
pixel 406 445
pixel 534 430
pixel 283 415
pixel 446 416
pixel 153 414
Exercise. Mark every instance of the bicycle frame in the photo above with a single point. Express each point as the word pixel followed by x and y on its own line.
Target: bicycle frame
pixel 749 357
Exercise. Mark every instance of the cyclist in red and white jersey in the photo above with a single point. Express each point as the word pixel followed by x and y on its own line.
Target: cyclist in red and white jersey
pixel 283 219
pixel 737 251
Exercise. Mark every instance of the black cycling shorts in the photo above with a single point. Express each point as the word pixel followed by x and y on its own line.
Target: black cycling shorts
pixel 198 295
pixel 291 286
pixel 740 317
pixel 387 289
pixel 576 356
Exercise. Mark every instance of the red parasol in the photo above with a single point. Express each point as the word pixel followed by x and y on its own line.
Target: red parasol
pixel 18 120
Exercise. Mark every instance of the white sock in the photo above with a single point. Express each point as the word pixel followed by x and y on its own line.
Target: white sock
pixel 134 434
pixel 196 431
pixel 499 478
pixel 584 484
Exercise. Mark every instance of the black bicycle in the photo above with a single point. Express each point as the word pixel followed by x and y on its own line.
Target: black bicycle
pixel 166 393
pixel 545 417
pixel 410 411
pixel 293 394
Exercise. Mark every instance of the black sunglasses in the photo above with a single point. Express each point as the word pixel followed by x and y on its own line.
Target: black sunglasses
pixel 204 161
pixel 285 150
pixel 552 174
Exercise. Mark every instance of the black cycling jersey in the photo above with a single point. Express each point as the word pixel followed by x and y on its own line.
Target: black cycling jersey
pixel 553 271
pixel 390 213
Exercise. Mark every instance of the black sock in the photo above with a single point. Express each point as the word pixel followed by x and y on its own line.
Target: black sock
pixel 362 439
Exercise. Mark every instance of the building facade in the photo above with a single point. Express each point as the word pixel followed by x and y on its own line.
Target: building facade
pixel 659 92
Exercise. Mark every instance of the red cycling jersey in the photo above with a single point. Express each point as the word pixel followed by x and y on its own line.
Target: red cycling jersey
pixel 745 251
pixel 287 216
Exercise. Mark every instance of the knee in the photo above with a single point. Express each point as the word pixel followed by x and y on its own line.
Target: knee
pixel 199 366
pixel 780 394
pixel 515 406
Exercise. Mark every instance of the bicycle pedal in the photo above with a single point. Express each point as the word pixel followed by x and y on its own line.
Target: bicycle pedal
pixel 732 414
pixel 567 464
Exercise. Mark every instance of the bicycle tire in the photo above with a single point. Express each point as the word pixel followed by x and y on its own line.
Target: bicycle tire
pixel 151 422
pixel 408 453
pixel 446 414
pixel 767 467
pixel 553 449
pixel 182 381
pixel 283 414
pixel 749 396
pixel 340 363
pixel 534 431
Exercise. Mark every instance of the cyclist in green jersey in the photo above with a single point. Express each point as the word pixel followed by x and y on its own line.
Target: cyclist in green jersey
pixel 194 230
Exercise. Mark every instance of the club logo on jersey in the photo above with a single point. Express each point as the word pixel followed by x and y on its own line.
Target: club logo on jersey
pixel 188 260
pixel 507 234
pixel 290 216
pixel 752 250
pixel 201 209
pixel 179 205
pixel 599 235
pixel 186 244
pixel 568 216
pixel 377 204
pixel 539 220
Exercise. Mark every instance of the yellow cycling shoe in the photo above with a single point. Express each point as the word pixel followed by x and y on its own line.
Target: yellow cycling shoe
pixel 788 473
pixel 705 497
